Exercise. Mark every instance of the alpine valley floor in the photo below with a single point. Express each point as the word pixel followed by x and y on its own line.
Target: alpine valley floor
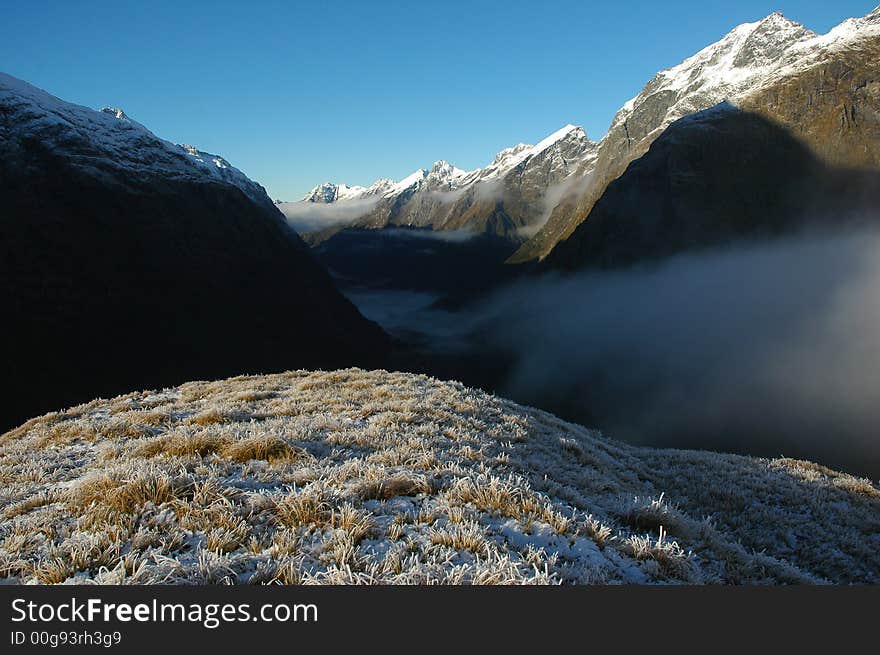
pixel 360 476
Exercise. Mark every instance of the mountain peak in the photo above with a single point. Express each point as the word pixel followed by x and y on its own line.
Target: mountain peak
pixel 328 192
pixel 873 17
pixel 413 179
pixel 324 192
pixel 748 52
pixel 778 22
pixel 112 140
pixel 115 111
pixel 776 17
pixel 511 151
pixel 443 170
pixel 558 135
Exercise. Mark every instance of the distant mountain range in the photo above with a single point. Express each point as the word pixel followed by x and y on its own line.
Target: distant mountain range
pixel 127 260
pixel 823 90
pixel 510 197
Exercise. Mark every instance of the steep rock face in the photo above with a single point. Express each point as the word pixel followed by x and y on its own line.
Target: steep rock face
pixel 516 203
pixel 834 107
pixel 417 200
pixel 826 89
pixel 510 198
pixel 714 177
pixel 125 260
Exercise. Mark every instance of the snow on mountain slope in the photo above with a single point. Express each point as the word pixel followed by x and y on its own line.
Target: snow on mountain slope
pixel 510 158
pixel 439 174
pixel 743 65
pixel 360 476
pixel 445 197
pixel 330 192
pixel 108 141
pixel 543 191
pixel 751 56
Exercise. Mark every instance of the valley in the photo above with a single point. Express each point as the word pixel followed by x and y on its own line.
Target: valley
pixel 734 196
pixel 649 358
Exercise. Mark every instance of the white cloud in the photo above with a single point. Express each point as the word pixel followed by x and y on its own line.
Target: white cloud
pixel 315 216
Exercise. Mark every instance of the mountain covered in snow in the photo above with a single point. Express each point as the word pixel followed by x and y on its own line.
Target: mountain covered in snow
pixel 126 259
pixel 824 88
pixel 110 143
pixel 510 197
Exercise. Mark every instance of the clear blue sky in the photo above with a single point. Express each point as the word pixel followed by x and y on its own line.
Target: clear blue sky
pixel 295 93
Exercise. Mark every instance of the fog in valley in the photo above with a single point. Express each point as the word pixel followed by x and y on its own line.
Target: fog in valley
pixel 769 349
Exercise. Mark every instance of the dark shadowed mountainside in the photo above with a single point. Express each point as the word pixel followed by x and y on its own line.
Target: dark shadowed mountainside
pixel 713 178
pixel 416 259
pixel 124 263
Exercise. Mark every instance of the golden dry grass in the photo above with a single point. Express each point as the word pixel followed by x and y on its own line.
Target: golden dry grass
pixel 353 477
pixel 397 485
pixel 269 447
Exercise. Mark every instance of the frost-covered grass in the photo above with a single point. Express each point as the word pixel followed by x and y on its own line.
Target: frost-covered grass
pixel 373 477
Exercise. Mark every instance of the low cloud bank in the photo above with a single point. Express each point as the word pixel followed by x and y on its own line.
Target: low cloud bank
pixel 769 349
pixel 315 216
pixel 572 186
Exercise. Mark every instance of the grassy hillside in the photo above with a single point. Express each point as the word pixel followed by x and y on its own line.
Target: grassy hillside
pixel 364 477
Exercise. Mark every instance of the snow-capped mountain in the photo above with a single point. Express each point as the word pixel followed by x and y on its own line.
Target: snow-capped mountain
pixel 440 174
pixel 330 192
pixel 126 260
pixel 750 57
pixel 111 142
pixel 560 143
pixel 751 67
pixel 505 197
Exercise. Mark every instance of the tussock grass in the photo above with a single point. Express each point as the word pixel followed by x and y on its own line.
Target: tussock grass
pixel 398 485
pixel 303 509
pixel 181 445
pixel 125 496
pixel 269 447
pixel 29 504
pixel 212 416
pixel 370 477
pixel 462 536
pixel 654 515
pixel 123 427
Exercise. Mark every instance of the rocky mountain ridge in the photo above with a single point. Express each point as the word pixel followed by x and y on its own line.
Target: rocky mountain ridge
pixel 824 88
pixel 509 197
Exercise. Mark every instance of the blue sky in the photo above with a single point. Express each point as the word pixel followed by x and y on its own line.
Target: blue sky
pixel 295 93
